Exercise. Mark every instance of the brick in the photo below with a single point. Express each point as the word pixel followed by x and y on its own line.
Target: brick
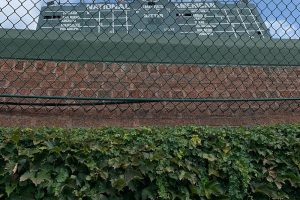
pixel 162 69
pixel 38 92
pixel 3 83
pixel 134 94
pixel 24 91
pixel 148 94
pixel 185 69
pixel 74 93
pixel 50 77
pixel 103 93
pixel 35 75
pixel 40 65
pixel 76 77
pixel 8 65
pixel 57 92
pixel 29 66
pixel 61 68
pixel 8 90
pixel 112 67
pixel 176 94
pixel 119 94
pixel 20 65
pixel 88 93
pixel 50 67
pixel 2 63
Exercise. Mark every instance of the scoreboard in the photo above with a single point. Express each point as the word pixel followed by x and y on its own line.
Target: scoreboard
pixel 156 17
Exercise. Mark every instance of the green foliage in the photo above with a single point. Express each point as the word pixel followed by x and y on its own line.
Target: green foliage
pixel 150 163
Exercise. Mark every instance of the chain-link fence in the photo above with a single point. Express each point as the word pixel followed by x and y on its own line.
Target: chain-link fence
pixel 150 55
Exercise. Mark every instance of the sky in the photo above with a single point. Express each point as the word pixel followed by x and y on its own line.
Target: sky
pixel 282 17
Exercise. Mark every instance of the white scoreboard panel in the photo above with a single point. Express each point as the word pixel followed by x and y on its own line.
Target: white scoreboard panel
pixel 157 16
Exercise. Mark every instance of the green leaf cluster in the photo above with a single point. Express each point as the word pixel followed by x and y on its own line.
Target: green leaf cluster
pixel 150 163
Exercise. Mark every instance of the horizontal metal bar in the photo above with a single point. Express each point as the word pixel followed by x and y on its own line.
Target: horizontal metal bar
pixel 66 104
pixel 139 100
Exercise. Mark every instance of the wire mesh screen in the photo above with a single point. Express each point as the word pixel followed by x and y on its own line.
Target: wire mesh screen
pixel 141 55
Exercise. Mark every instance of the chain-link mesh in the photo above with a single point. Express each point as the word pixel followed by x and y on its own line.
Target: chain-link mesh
pixel 144 56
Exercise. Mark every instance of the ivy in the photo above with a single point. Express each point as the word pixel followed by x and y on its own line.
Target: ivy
pixel 150 163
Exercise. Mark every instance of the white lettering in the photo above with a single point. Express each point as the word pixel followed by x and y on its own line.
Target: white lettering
pixel 70 25
pixel 205 31
pixel 107 6
pixel 69 29
pixel 153 15
pixel 169 29
pixel 199 16
pixel 195 5
pixel 67 21
pixel 157 7
pixel 70 13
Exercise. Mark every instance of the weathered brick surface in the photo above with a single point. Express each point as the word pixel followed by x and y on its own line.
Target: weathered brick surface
pixel 135 80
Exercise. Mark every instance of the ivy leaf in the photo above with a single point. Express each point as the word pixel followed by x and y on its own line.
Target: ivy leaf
pixel 181 175
pixel 269 190
pixel 149 192
pixel 88 178
pixel 63 174
pixel 27 176
pixel 195 140
pixel 41 176
pixel 104 175
pixel 15 137
pixel 297 163
pixel 9 188
pixel 209 188
pixel 209 157
pixel 114 162
pixel 131 174
pixel 100 197
pixel 278 184
pixel 49 144
pixel 227 148
pixel 36 177
pixel 293 178
pixel 118 183
pixel 212 171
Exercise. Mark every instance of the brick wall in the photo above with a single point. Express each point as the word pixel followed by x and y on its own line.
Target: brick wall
pixel 133 80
